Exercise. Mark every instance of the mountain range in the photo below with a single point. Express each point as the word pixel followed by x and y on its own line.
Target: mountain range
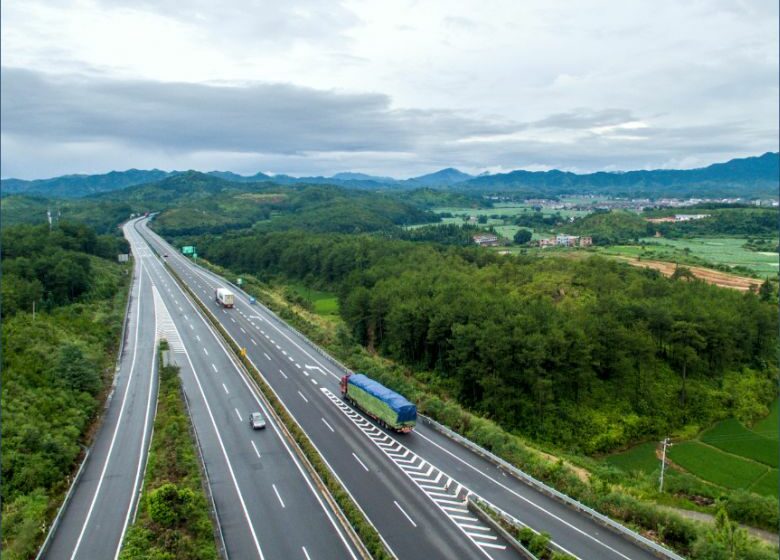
pixel 745 177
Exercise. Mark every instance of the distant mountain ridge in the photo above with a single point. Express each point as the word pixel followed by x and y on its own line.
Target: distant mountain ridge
pixel 747 177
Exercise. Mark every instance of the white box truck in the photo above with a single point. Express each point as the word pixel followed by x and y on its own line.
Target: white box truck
pixel 223 297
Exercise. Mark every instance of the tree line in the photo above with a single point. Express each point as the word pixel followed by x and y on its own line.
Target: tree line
pixel 587 354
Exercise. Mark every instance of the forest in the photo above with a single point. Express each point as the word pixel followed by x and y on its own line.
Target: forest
pixel 54 364
pixel 590 355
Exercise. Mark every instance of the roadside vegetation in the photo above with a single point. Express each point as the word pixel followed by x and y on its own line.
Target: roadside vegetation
pixel 615 493
pixel 56 365
pixel 173 512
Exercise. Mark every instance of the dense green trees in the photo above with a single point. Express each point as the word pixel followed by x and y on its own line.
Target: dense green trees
pixel 52 366
pixel 523 236
pixel 51 267
pixel 588 354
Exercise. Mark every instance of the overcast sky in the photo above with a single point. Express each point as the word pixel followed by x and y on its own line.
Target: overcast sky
pixel 393 88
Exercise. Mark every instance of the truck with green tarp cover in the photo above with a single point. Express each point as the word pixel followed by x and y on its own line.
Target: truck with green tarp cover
pixel 384 405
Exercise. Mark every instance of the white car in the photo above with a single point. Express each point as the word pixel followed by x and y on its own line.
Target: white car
pixel 257 421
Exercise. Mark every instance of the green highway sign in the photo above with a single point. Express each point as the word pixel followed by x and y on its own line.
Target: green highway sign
pixel 187 250
pixel 239 281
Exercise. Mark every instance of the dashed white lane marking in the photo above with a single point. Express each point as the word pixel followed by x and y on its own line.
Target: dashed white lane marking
pixel 314 381
pixel 186 318
pixel 302 395
pixel 232 319
pixel 242 330
pixel 238 414
pixel 225 388
pixel 328 425
pixel 448 495
pixel 283 374
pixel 291 358
pixel 298 366
pixel 206 352
pixel 306 554
pixel 198 337
pixel 255 448
pixel 277 495
pixel 253 341
pixel 365 468
pixel 267 357
pixel 405 514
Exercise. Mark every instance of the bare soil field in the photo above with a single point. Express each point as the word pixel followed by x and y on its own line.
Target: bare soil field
pixel 716 277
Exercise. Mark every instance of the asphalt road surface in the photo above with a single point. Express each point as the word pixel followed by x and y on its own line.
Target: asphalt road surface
pixel 410 486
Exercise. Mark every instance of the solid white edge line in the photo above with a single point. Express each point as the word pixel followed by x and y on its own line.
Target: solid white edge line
pixel 119 417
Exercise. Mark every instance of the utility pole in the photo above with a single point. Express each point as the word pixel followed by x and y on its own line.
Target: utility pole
pixel 666 443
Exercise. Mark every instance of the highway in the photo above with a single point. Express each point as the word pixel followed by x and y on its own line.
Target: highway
pixel 410 486
pixel 267 505
pixel 100 509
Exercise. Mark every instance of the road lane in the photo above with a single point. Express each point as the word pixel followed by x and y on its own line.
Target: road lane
pixel 95 520
pixel 246 467
pixel 438 533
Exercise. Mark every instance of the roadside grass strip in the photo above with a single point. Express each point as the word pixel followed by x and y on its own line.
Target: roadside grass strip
pixel 716 466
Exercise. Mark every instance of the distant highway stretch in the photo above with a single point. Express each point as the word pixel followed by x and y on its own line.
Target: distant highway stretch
pixel 411 486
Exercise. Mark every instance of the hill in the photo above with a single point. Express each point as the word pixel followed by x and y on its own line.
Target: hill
pixel 747 177
pixel 751 177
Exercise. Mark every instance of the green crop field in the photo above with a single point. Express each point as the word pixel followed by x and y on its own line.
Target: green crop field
pixel 768 427
pixel 767 484
pixel 324 303
pixel 721 468
pixel 639 458
pixel 731 436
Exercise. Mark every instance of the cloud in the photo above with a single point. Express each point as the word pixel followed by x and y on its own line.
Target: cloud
pixel 257 118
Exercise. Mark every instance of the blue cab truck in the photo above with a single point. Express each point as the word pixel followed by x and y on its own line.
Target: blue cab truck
pixel 384 405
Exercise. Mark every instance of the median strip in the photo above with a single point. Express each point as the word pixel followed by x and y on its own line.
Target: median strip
pixel 370 543
pixel 173 512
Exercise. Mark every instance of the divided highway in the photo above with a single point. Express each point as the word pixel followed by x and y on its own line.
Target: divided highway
pixel 268 506
pixel 410 486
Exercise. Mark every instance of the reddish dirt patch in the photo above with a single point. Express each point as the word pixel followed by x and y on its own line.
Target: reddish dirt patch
pixel 716 277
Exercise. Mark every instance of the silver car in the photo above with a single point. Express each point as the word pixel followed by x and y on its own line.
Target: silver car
pixel 257 421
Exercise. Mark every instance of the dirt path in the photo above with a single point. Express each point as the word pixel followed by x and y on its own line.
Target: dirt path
pixel 767 536
pixel 716 277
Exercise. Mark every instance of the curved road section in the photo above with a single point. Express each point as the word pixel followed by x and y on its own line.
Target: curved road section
pixel 410 486
pixel 102 503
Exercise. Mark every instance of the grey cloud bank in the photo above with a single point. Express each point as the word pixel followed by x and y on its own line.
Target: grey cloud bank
pixel 309 87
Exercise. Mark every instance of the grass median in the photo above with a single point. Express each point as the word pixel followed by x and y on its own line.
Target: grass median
pixel 173 514
pixel 365 531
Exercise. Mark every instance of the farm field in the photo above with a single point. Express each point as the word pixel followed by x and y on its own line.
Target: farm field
pixel 713 465
pixel 639 458
pixel 727 251
pixel 323 303
pixel 731 436
pixel 728 454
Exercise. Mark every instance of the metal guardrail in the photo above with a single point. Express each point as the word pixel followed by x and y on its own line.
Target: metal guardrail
pixel 651 546
pixel 221 548
pixel 483 516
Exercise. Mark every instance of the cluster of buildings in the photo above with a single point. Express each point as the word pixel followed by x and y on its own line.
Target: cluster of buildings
pixel 562 240
pixel 486 240
pixel 678 218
